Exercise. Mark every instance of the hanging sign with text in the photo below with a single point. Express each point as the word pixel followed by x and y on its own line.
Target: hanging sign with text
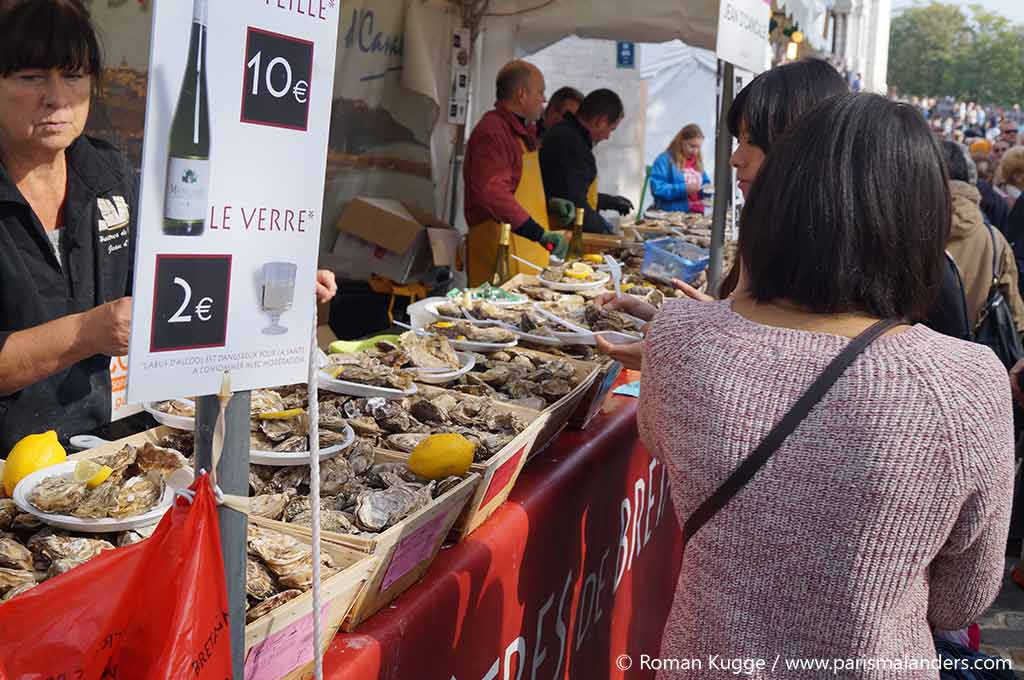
pixel 743 33
pixel 235 151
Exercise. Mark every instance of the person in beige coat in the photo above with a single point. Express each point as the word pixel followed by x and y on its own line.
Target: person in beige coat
pixel 970 245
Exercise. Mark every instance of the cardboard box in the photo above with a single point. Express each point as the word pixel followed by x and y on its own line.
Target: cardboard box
pixel 386 237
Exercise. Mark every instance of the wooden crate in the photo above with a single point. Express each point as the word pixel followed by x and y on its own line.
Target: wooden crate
pixel 405 550
pixel 280 643
pixel 498 475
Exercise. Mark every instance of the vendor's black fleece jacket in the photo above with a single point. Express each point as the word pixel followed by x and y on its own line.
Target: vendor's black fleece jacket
pixel 568 165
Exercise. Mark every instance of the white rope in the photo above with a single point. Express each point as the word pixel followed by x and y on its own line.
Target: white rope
pixel 313 413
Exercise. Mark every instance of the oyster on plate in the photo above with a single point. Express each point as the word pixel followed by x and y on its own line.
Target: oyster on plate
pixel 359 367
pixel 158 459
pixel 429 351
pixel 58 494
pixel 463 330
pixel 138 495
pixel 99 501
pixel 176 407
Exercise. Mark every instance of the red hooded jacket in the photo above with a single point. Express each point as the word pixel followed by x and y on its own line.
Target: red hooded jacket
pixel 494 166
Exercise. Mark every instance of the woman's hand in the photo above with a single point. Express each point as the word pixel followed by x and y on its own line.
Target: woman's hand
pixel 326 286
pixel 629 355
pixel 690 291
pixel 630 304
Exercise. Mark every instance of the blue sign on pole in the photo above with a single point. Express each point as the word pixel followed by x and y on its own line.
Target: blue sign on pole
pixel 625 54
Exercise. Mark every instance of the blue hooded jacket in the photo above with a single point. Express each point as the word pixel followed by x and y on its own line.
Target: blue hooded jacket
pixel 668 185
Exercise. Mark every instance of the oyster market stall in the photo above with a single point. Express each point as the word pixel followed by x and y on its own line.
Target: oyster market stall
pixel 575 570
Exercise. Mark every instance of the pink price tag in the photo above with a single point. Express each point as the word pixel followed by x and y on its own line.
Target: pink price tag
pixel 413 549
pixel 283 651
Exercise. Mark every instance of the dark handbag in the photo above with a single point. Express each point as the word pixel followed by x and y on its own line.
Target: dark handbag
pixel 996 329
pixel 961 663
pixel 771 443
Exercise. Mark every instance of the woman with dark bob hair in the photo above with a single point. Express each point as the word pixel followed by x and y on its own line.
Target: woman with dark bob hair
pixel 884 513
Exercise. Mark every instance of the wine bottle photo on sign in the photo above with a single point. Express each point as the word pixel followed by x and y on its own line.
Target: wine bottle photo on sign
pixel 188 155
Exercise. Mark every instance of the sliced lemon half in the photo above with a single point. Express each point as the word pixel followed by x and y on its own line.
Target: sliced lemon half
pixel 92 473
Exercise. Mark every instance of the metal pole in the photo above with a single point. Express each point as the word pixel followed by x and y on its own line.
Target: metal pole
pixel 723 179
pixel 232 478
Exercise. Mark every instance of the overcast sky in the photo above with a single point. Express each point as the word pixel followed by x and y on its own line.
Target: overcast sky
pixel 1012 9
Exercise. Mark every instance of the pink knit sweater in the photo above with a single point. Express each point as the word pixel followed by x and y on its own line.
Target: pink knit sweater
pixel 884 514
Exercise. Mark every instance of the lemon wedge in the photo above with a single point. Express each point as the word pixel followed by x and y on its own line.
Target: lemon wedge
pixel 334 371
pixel 92 473
pixel 595 259
pixel 281 415
pixel 443 324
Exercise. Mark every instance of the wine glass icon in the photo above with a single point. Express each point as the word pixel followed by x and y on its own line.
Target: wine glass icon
pixel 278 293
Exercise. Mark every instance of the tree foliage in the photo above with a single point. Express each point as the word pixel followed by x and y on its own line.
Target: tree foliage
pixel 939 49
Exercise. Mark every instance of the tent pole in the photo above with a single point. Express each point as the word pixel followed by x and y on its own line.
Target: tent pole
pixel 723 177
pixel 232 478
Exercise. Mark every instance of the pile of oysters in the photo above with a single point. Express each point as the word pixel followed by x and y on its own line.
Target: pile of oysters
pixel 278 568
pixel 388 365
pixel 522 317
pixel 31 552
pixel 519 378
pixel 134 487
pixel 399 425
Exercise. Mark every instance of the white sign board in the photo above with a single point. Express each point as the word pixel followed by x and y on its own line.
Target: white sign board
pixel 237 119
pixel 743 33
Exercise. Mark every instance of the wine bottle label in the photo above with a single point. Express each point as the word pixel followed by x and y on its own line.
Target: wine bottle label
pixel 188 185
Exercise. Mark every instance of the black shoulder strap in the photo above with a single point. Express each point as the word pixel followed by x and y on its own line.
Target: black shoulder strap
pixel 995 257
pixel 771 443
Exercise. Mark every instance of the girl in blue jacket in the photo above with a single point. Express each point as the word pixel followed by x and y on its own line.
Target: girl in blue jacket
pixel 678 177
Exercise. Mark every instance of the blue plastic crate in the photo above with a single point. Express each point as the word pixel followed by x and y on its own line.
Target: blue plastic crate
pixel 673 258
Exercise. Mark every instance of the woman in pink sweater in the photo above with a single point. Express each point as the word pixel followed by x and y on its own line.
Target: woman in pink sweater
pixel 884 514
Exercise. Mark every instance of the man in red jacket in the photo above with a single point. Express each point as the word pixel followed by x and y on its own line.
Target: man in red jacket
pixel 503 179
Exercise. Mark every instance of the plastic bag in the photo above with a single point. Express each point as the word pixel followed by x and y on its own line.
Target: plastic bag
pixel 154 609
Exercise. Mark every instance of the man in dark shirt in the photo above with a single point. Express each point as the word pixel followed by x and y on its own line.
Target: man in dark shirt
pixel 568 164
pixel 564 100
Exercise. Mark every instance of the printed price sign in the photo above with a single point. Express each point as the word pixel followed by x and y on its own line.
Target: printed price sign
pixel 278 70
pixel 190 302
pixel 231 202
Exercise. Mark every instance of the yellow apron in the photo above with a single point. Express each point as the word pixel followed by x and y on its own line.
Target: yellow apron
pixel 483 237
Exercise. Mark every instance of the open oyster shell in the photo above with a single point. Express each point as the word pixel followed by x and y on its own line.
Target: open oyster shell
pixel 57 494
pixel 429 351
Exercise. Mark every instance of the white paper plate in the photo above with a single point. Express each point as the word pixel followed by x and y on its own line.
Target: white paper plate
pixel 466 364
pixel 602 278
pixel 301 457
pixel 359 390
pixel 482 347
pixel 176 422
pixel 580 335
pixel 106 524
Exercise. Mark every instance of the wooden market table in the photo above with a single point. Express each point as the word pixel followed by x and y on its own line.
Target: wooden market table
pixel 576 569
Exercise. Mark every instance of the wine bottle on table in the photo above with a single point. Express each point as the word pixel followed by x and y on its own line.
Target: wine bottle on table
pixel 188 156
pixel 576 243
pixel 501 266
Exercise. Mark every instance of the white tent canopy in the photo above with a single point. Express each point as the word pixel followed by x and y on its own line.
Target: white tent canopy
pixel 652 21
